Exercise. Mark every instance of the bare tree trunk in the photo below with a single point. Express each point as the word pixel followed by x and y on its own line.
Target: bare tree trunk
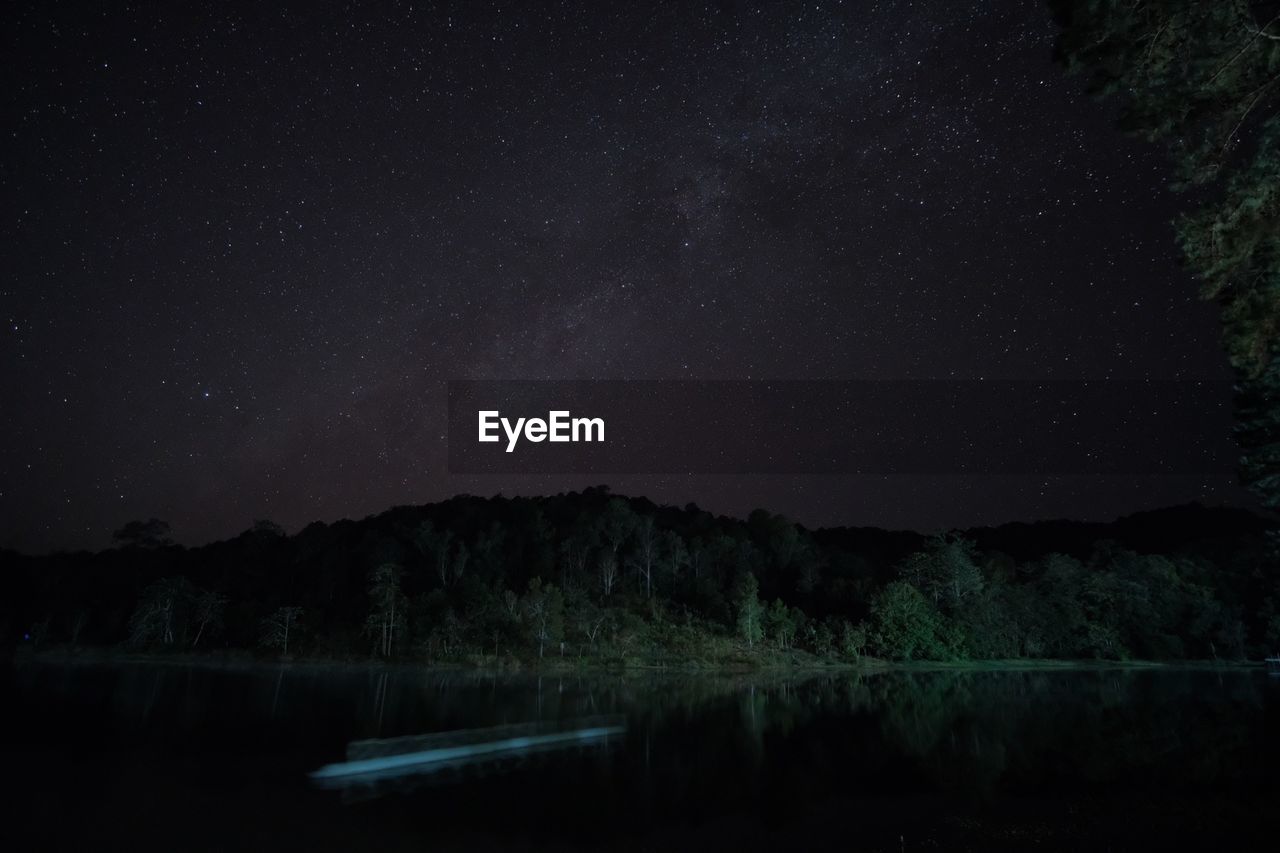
pixel 608 574
pixel 168 622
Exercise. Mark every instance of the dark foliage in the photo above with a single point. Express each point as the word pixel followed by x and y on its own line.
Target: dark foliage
pixel 593 576
pixel 1203 79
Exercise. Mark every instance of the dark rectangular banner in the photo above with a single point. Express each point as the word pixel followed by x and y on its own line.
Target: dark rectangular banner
pixel 839 427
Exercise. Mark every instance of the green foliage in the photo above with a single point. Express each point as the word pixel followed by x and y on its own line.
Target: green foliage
pixel 894 595
pixel 675 555
pixel 1258 431
pixel 782 623
pixel 1204 78
pixel 853 640
pixel 543 611
pixel 905 625
pixel 749 610
pixel 945 571
pixel 820 638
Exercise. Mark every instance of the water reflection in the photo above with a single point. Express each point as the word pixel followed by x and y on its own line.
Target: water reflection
pixel 970 748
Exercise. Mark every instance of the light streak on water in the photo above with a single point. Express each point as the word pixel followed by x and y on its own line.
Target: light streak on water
pixel 407 756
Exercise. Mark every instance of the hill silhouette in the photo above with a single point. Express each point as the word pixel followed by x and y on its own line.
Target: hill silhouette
pixel 595 576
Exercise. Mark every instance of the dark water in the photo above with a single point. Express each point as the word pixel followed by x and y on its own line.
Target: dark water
pixel 177 757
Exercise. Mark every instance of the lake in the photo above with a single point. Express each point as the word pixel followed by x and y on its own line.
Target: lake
pixel 179 757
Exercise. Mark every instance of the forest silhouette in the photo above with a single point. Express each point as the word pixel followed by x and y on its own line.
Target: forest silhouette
pixel 595 578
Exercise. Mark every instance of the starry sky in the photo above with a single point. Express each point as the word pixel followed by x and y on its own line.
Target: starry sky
pixel 245 245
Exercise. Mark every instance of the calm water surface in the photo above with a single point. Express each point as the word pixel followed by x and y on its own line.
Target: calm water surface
pixel 176 757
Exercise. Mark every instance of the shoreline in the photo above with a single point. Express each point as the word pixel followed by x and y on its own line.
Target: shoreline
pixel 510 667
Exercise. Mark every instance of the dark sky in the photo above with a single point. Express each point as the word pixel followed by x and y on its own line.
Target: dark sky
pixel 244 247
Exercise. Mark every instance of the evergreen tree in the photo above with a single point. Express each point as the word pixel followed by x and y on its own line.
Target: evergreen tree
pixel 1204 78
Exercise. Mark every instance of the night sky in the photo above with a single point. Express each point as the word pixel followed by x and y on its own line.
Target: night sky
pixel 245 247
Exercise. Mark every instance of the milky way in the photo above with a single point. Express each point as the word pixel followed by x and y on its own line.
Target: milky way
pixel 244 248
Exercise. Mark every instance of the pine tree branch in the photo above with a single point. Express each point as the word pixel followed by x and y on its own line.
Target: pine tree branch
pixel 1261 32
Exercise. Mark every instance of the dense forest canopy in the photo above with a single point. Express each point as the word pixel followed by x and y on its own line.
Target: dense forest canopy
pixel 1204 80
pixel 596 577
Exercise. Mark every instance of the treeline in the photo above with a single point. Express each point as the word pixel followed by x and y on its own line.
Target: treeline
pixel 597 577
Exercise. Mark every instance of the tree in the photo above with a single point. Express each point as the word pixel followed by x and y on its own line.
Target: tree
pixel 1058 626
pixel 783 623
pixel 78 623
pixel 160 617
pixel 574 551
pixel 904 623
pixel 458 565
pixel 448 633
pixel 543 608
pixel 778 537
pixel 266 528
pixel 608 572
pixel 809 568
pixel 852 639
pixel 511 603
pixel 280 626
pixel 1271 636
pixel 748 610
pixel 39 632
pixel 435 545
pixel 1202 78
pixel 945 570
pixel 1103 596
pixel 675 554
pixel 819 637
pixel 617 524
pixel 388 607
pixel 486 555
pixel 208 607
pixel 646 556
pixel 152 533
pixel 698 551
pixel 592 622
